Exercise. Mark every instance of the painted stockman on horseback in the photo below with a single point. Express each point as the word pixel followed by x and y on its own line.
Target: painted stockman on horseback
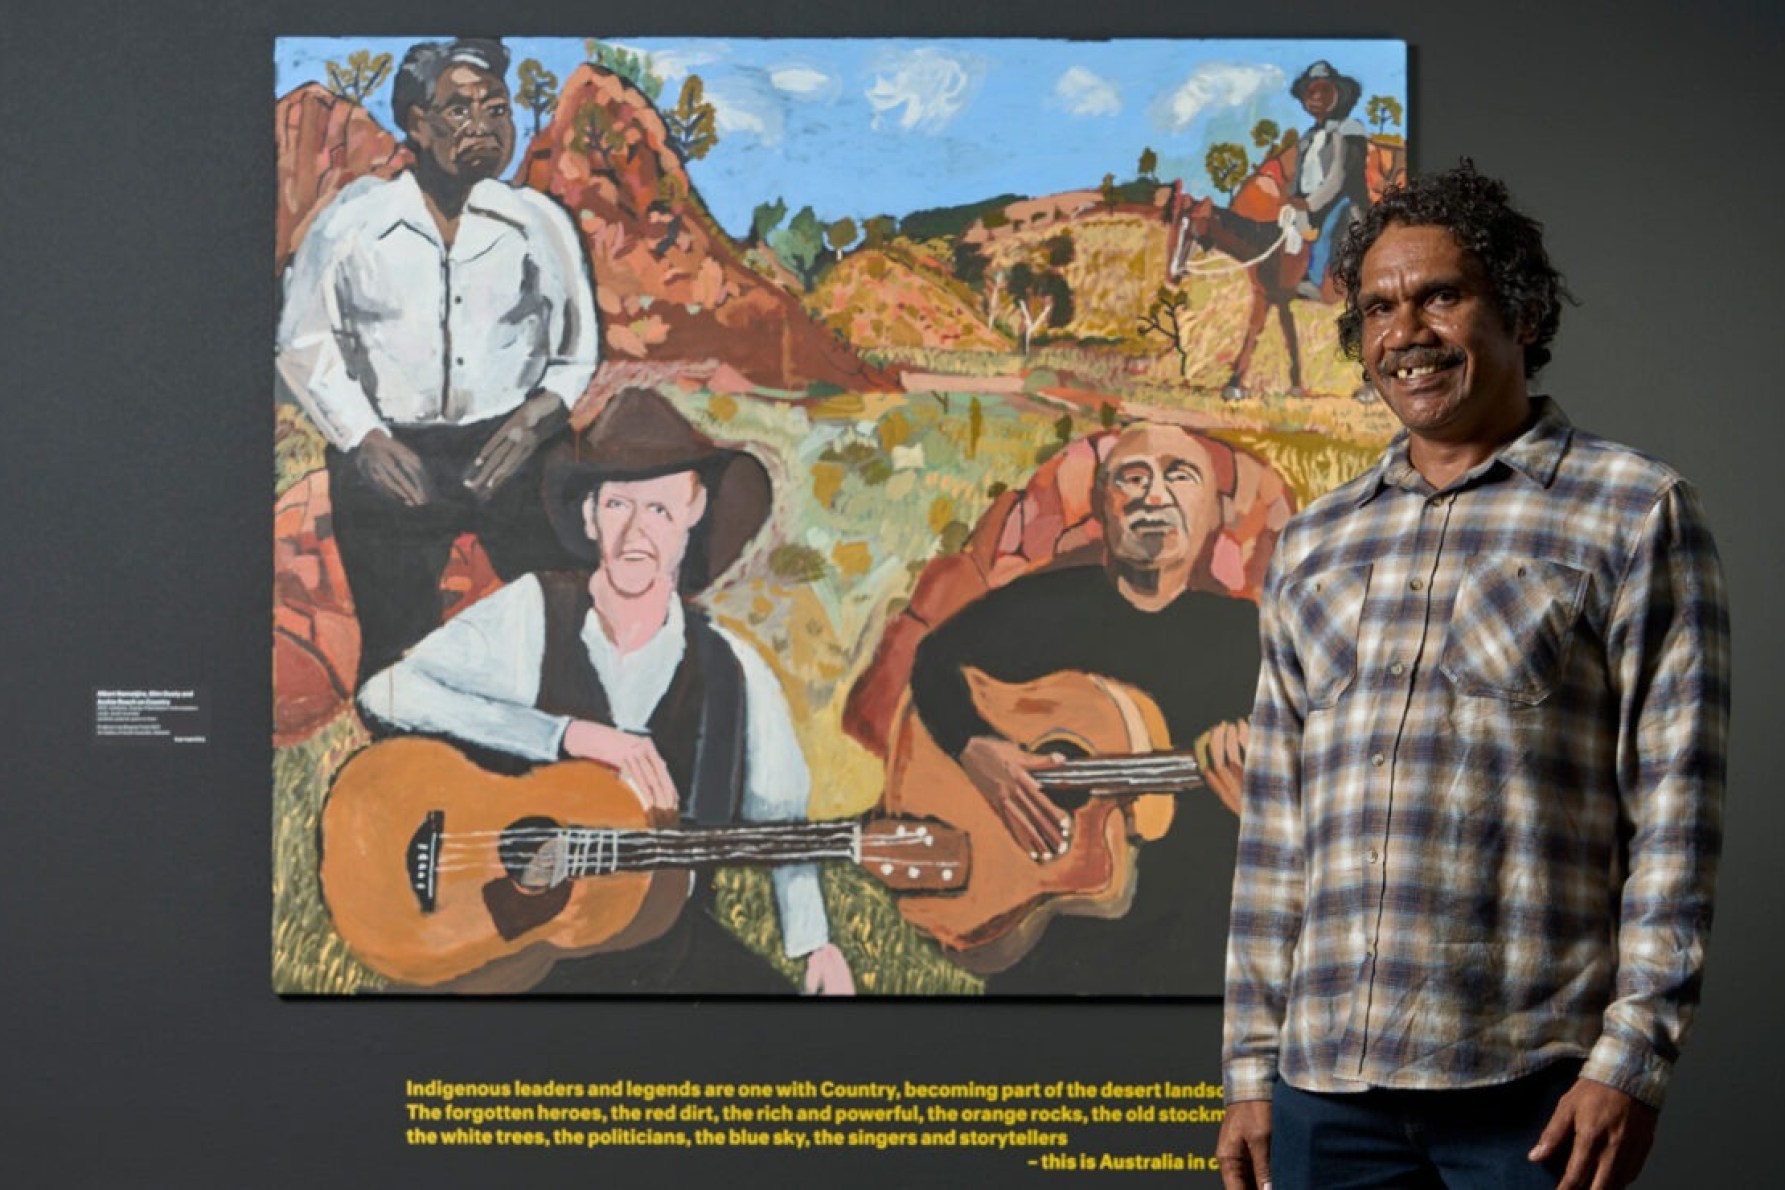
pixel 1286 220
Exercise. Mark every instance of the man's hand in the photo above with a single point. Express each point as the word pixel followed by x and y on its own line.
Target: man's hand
pixel 1004 774
pixel 634 756
pixel 1221 755
pixel 1244 1145
pixel 1610 1133
pixel 393 468
pixel 539 417
pixel 827 972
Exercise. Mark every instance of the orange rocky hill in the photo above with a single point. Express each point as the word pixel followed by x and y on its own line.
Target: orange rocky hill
pixel 670 282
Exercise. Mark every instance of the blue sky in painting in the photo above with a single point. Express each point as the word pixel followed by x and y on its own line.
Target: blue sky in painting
pixel 866 127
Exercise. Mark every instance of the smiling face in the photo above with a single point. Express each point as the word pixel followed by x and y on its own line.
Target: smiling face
pixel 641 527
pixel 467 131
pixel 1435 344
pixel 1158 498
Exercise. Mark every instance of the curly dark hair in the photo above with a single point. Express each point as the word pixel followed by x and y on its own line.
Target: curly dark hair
pixel 1477 211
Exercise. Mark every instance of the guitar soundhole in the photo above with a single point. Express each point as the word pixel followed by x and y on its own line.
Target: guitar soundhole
pixel 1068 800
pixel 532 851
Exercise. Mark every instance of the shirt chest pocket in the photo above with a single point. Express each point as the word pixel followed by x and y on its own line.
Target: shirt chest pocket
pixel 1511 627
pixel 1326 609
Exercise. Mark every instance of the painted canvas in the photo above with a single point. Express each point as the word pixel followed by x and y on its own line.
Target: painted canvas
pixel 764 516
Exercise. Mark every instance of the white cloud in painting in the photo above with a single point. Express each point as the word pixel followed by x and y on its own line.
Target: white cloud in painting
pixel 1211 86
pixel 932 87
pixel 746 104
pixel 1083 93
pixel 803 80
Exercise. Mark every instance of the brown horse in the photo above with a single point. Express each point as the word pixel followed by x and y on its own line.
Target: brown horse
pixel 1259 248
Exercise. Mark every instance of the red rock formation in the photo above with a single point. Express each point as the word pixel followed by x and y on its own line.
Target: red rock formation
pixel 315 634
pixel 324 143
pixel 1049 523
pixel 669 281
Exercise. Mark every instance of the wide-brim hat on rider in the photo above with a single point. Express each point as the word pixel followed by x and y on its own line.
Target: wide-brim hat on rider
pixel 1348 87
pixel 641 435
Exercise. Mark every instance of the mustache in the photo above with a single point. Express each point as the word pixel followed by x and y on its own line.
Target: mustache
pixel 1422 357
pixel 1140 516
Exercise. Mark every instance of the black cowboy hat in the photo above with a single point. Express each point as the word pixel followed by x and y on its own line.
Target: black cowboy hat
pixel 1349 88
pixel 640 435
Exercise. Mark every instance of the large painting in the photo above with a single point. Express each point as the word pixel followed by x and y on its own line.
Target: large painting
pixel 764 516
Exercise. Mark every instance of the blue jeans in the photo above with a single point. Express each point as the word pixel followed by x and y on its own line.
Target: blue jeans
pixel 1474 1139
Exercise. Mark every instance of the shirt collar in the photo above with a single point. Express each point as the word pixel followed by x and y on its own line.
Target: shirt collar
pixel 491 209
pixel 1535 454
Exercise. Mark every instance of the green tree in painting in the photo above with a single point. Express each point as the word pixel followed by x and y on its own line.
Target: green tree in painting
pixel 1227 166
pixel 800 245
pixel 1148 166
pixel 630 65
pixel 360 77
pixel 1383 109
pixel 765 218
pixel 693 122
pixel 1265 133
pixel 878 231
pixel 1169 317
pixel 539 90
pixel 1108 190
pixel 840 235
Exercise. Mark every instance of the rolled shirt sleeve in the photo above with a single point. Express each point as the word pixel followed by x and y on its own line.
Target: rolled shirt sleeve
pixel 476 678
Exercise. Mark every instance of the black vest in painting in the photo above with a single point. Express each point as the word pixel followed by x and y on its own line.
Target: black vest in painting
pixel 698 726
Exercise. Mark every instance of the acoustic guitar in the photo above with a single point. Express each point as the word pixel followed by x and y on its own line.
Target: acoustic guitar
pixel 1119 791
pixel 439 872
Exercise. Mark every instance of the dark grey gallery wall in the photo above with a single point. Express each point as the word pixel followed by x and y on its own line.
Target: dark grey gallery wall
pixel 135 203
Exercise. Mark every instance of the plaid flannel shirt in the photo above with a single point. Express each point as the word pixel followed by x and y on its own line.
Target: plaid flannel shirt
pixel 1482 806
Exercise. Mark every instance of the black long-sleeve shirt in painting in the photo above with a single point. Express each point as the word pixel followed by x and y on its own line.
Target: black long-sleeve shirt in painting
pixel 1197 658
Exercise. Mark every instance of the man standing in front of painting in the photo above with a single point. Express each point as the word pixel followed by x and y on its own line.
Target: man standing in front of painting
pixel 1482 804
pixel 437 328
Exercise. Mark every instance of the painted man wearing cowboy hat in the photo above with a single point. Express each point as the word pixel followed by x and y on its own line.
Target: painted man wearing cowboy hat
pixel 616 664
pixel 1330 182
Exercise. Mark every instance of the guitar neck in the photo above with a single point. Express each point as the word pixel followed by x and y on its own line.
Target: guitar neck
pixel 593 851
pixel 1148 772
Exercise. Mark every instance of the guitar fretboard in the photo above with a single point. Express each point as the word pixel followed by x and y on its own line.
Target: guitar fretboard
pixel 593 851
pixel 1157 772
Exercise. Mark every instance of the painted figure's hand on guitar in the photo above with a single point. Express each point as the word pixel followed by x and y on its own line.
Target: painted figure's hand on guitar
pixel 1003 773
pixel 827 973
pixel 634 757
pixel 1221 754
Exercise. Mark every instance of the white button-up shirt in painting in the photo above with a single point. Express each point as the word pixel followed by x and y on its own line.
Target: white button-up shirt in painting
pixel 383 324
pixel 476 678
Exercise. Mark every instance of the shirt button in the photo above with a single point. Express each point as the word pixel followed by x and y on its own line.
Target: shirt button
pixel 1374 856
pixel 460 360
pixel 1378 760
pixel 1417 584
pixel 1397 669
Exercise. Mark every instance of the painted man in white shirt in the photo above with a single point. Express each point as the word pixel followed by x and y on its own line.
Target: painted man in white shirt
pixel 618 665
pixel 437 327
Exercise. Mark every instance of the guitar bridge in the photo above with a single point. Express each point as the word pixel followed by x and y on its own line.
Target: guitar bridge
pixel 422 858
